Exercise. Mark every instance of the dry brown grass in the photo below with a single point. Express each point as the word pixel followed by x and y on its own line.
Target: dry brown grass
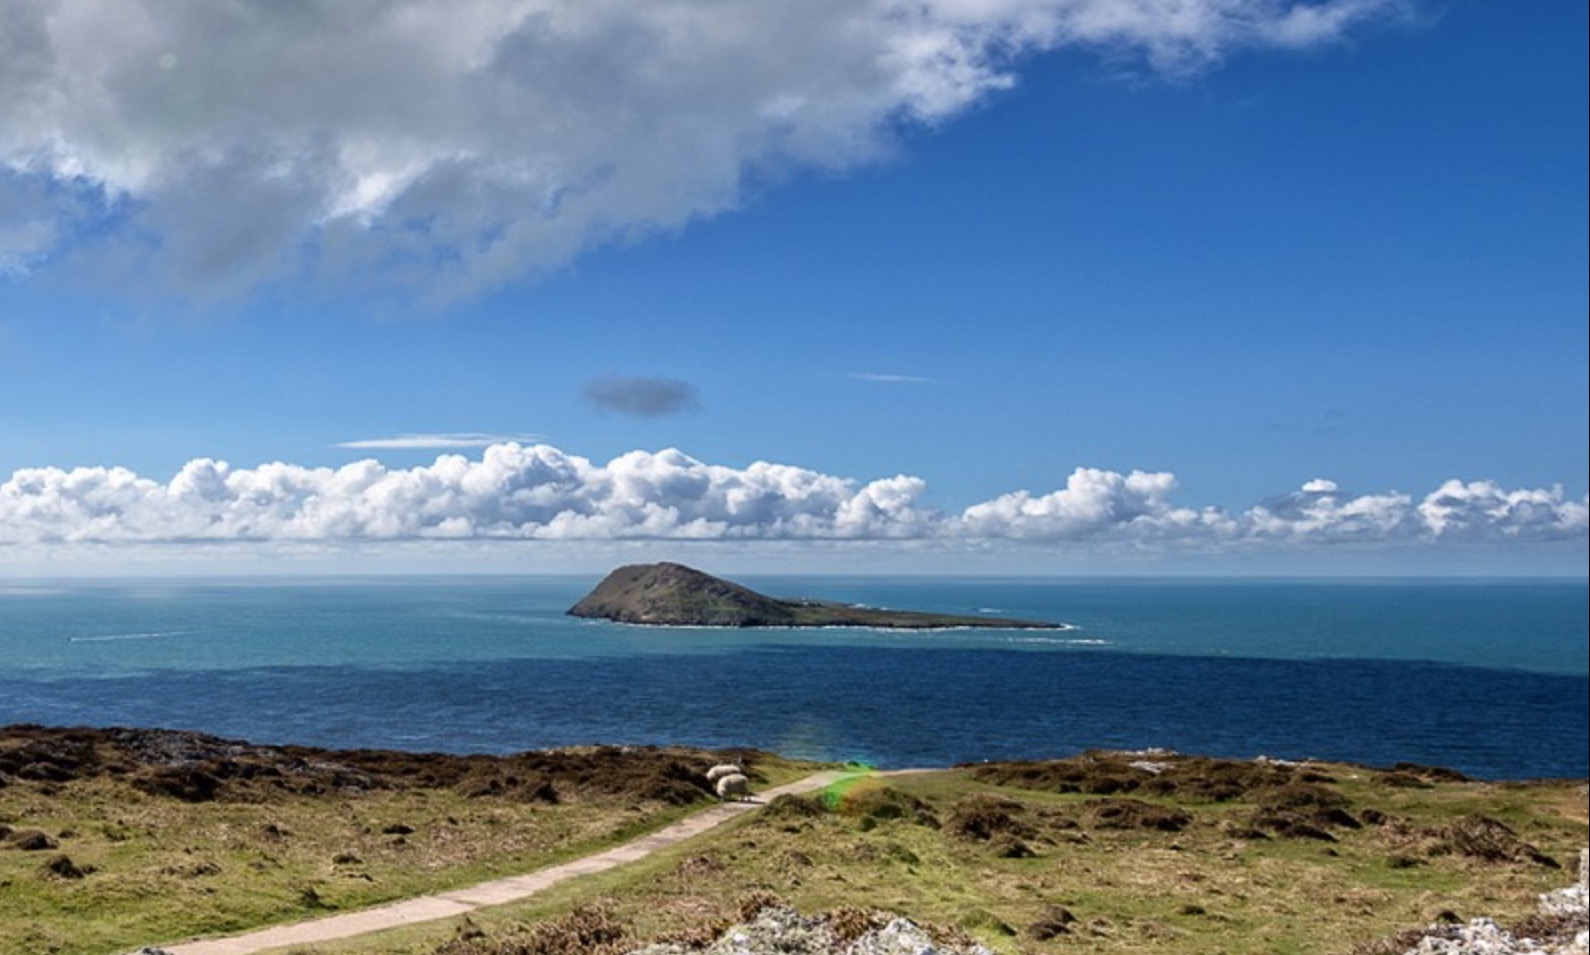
pixel 1168 868
pixel 1189 856
pixel 115 838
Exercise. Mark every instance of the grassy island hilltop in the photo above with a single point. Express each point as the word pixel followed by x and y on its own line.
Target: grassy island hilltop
pixel 669 594
pixel 111 839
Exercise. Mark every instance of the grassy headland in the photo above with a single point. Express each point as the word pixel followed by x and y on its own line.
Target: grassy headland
pixel 171 835
pixel 115 838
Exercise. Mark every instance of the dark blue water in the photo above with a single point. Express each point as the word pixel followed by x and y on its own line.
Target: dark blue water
pixel 1489 679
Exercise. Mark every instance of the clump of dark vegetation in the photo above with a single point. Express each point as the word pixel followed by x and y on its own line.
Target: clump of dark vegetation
pixel 1473 836
pixel 1290 826
pixel 874 804
pixel 1488 840
pixel 983 818
pixel 1292 800
pixel 1187 778
pixel 1135 814
pixel 195 767
pixel 1300 797
pixel 1434 774
pixel 62 866
pixel 1302 810
pixel 1055 920
pixel 587 930
pixel 1416 776
pixel 791 811
pixel 30 840
pixel 701 867
pixel 187 783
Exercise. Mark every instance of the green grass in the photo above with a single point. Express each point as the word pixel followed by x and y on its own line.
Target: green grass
pixel 912 845
pixel 160 870
pixel 1196 891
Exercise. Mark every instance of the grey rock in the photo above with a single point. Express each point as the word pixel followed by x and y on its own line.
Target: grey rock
pixel 903 937
pixel 1484 937
pixel 781 931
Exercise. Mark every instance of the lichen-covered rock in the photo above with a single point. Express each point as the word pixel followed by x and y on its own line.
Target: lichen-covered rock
pixel 1484 937
pixel 1566 915
pixel 903 937
pixel 783 931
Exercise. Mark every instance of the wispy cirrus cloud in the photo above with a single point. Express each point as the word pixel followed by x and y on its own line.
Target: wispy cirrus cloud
pixel 437 441
pixel 453 146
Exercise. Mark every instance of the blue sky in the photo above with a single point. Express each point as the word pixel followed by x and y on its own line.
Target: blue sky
pixel 1296 266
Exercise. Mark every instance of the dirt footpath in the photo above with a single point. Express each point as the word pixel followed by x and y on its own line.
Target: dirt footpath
pixel 443 905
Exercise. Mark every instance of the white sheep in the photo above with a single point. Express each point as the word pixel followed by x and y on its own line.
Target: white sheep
pixel 735 785
pixel 721 770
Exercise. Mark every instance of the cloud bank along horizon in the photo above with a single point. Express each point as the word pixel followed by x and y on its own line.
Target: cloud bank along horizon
pixel 539 492
pixel 454 146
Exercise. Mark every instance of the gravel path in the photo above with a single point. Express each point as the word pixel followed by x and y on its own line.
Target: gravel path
pixel 443 905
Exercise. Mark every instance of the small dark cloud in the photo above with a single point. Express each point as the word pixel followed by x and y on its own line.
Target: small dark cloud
pixel 642 396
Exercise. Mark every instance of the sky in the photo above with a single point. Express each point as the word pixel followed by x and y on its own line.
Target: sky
pixel 951 286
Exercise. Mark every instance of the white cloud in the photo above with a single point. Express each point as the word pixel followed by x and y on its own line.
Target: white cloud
pixel 460 144
pixel 538 492
pixel 1092 503
pixel 1484 508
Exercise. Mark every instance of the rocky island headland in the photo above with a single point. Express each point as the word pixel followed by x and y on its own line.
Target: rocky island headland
pixel 669 594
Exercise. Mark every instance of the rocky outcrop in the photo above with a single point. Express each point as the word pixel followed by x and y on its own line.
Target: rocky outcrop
pixel 668 594
pixel 1559 929
pixel 783 931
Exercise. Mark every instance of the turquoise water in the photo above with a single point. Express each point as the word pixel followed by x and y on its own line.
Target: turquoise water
pixel 1489 677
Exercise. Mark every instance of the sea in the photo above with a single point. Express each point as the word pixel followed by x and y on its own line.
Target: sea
pixel 1488 677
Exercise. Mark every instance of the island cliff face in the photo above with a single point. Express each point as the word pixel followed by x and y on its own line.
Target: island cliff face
pixel 668 594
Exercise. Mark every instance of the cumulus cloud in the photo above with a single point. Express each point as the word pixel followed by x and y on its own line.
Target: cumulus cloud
pixel 538 492
pixel 460 144
pixel 642 396
pixel 511 491
pixel 1480 508
pixel 1092 503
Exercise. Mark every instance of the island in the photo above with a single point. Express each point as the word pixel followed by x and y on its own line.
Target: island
pixel 673 595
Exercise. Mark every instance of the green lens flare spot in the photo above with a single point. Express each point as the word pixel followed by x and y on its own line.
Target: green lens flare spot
pixel 834 793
